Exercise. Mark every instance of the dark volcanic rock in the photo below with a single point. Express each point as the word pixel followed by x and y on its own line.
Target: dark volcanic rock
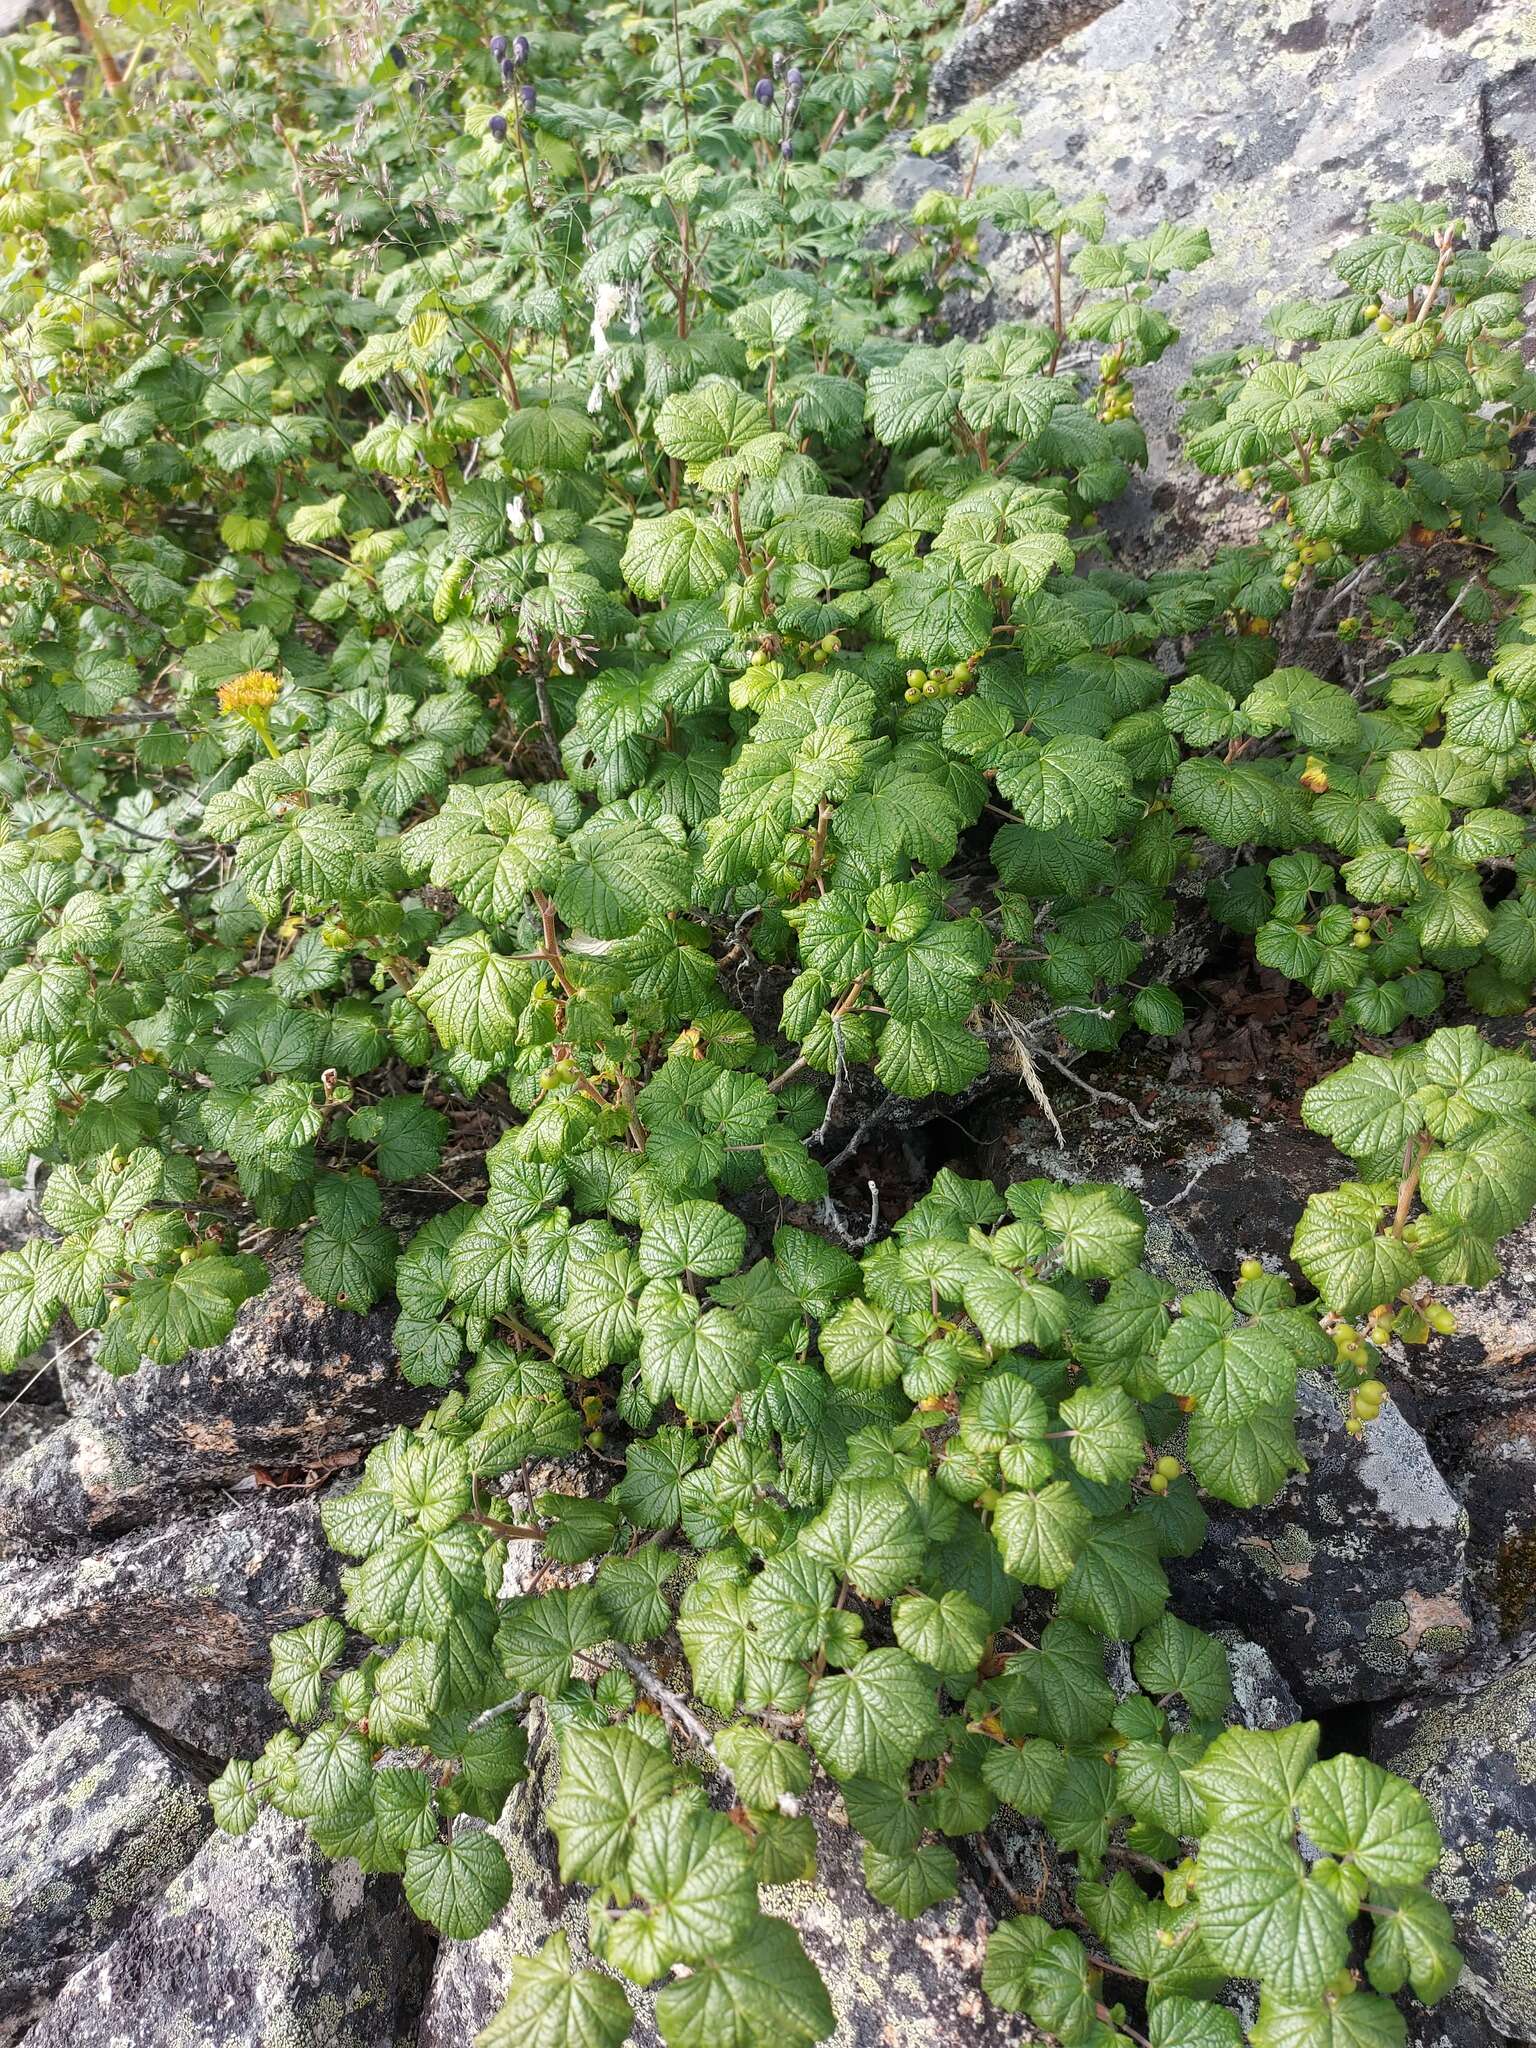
pixel 1474 1759
pixel 200 1597
pixel 96 1822
pixel 1456 2022
pixel 26 1423
pixel 1355 1577
pixel 259 1943
pixel 297 1386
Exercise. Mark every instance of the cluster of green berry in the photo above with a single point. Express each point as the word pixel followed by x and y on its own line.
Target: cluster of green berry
pixel 941 682
pixel 1163 1474
pixel 1410 1321
pixel 1305 555
pixel 809 653
pixel 1115 399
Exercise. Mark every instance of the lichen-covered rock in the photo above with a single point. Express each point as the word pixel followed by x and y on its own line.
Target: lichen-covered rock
pixel 1355 1576
pixel 1474 1759
pixel 1488 1365
pixel 296 1387
pixel 1260 1696
pixel 893 1983
pixel 97 1821
pixel 71 1482
pixel 1234 1183
pixel 26 1721
pixel 201 1596
pixel 259 1943
pixel 1274 127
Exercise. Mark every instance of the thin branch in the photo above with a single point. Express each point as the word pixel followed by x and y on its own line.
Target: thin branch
pixel 1097 1094
pixel 672 1704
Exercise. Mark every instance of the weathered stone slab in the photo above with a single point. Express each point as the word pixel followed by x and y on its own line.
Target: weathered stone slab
pixel 200 1597
pixel 258 1943
pixel 97 1820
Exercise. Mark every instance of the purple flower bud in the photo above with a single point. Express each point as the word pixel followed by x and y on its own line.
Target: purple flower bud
pixel 787 150
pixel 498 47
pixel 795 78
pixel 508 71
pixel 498 126
pixel 519 49
pixel 397 56
pixel 762 92
pixel 778 62
pixel 529 98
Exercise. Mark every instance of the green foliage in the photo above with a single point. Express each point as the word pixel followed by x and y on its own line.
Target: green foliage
pixel 537 668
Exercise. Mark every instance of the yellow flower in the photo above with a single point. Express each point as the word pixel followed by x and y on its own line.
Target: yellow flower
pixel 255 691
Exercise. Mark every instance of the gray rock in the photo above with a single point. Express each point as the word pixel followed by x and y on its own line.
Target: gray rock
pixel 1488 1365
pixel 97 1821
pixel 1456 2022
pixel 470 1980
pixel 259 1943
pixel 25 1423
pixel 1474 1759
pixel 18 14
pixel 200 1597
pixel 74 1481
pixel 1355 1576
pixel 297 1388
pixel 216 1718
pixel 1009 34
pixel 27 1720
pixel 1275 127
